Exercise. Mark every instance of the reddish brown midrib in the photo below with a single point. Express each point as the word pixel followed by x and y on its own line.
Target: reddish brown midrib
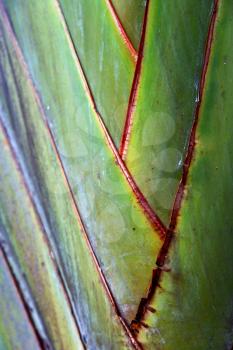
pixel 122 31
pixel 133 94
pixel 144 306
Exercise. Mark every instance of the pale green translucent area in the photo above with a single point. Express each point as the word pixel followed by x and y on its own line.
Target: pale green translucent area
pixel 131 13
pixel 16 331
pixel 122 238
pixel 194 305
pixel 106 60
pixel 167 97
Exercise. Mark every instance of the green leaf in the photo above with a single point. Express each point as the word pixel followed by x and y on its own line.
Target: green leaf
pixel 193 301
pixel 164 97
pixel 81 227
pixel 16 331
pixel 121 236
pixel 26 234
pixel 131 13
pixel 23 114
pixel 107 62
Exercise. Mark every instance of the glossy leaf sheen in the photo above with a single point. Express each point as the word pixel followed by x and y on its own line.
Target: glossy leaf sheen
pixel 194 304
pixel 166 97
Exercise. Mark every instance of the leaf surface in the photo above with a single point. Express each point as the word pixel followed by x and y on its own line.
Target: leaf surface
pixel 163 98
pixel 193 301
pixel 123 239
pixel 16 331
pixel 107 61
pixel 25 232
pixel 131 13
pixel 22 112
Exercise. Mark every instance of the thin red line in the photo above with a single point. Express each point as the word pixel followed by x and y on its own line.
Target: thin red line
pixel 25 182
pixel 39 222
pixel 134 90
pixel 154 220
pixel 122 31
pixel 149 212
pixel 84 231
pixel 145 303
pixel 192 140
pixel 36 334
pixel 66 181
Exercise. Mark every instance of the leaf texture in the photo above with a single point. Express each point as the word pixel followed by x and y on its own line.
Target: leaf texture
pixel 22 112
pixel 106 59
pixel 163 98
pixel 124 241
pixel 26 234
pixel 16 331
pixel 193 300
pixel 115 116
pixel 131 13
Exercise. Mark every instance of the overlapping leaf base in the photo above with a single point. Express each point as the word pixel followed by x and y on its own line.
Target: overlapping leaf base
pixel 115 116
